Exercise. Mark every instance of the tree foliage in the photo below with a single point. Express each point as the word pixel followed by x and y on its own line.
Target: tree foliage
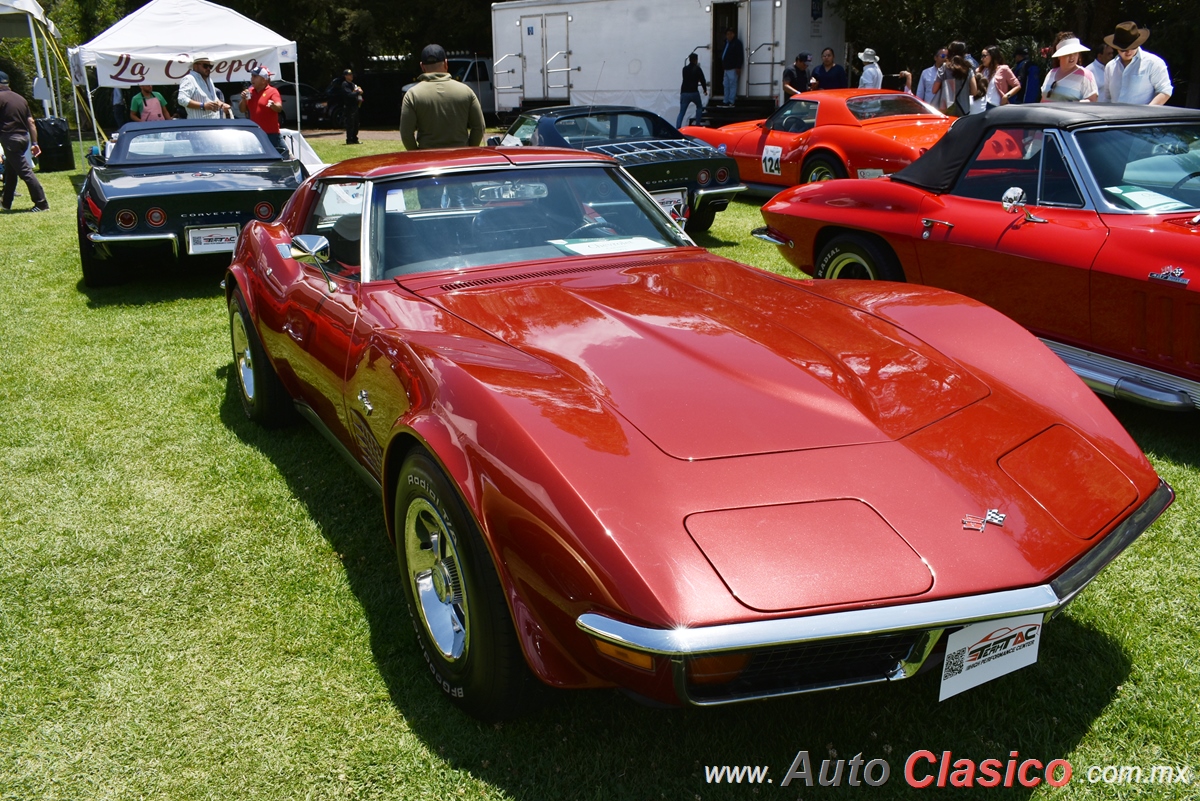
pixel 906 33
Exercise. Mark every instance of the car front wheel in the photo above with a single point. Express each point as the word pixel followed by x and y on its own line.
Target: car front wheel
pixel 857 256
pixel 822 168
pixel 700 220
pixel 264 399
pixel 455 599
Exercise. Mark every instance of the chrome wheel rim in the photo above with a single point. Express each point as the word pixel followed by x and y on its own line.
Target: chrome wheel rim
pixel 436 579
pixel 820 172
pixel 242 357
pixel 850 265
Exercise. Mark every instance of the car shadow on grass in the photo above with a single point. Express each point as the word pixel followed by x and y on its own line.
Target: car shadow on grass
pixel 602 745
pixel 148 283
pixel 1171 435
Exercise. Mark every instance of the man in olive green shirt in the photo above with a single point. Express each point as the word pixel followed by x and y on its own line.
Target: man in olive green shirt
pixel 439 111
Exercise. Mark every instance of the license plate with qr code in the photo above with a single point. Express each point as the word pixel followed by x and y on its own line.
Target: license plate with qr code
pixel 985 651
pixel 212 240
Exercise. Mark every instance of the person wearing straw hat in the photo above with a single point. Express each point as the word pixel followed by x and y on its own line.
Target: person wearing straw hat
pixel 1069 82
pixel 872 76
pixel 197 93
pixel 1135 75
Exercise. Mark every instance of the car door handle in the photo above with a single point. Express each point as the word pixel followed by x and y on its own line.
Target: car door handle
pixel 929 223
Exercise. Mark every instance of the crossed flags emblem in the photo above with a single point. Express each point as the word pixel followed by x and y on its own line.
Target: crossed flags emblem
pixel 976 523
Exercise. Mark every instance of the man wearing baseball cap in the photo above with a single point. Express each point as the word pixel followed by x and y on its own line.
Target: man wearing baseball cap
pixel 263 105
pixel 795 77
pixel 1136 75
pixel 439 111
pixel 17 132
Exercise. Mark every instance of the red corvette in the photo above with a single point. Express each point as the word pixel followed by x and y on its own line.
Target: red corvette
pixel 835 133
pixel 587 434
pixel 1079 221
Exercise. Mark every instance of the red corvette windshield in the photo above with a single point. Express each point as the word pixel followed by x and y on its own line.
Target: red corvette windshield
pixel 1151 168
pixel 476 219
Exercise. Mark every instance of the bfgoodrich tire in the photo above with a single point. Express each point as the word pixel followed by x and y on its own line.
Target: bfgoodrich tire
pixel 857 256
pixel 821 168
pixel 264 400
pixel 455 599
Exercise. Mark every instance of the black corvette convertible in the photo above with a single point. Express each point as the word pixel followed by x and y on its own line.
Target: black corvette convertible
pixel 686 176
pixel 175 189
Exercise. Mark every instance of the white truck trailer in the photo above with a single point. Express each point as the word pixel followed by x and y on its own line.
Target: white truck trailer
pixel 632 52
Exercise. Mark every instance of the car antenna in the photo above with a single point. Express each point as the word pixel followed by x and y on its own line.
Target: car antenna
pixel 597 89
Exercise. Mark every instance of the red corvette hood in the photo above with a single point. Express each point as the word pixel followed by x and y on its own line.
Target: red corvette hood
pixel 910 132
pixel 709 358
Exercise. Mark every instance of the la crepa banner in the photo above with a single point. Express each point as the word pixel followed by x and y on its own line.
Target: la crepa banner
pixel 133 69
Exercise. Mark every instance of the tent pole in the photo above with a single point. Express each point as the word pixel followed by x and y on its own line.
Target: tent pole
pixel 54 102
pixel 37 59
pixel 87 87
pixel 296 83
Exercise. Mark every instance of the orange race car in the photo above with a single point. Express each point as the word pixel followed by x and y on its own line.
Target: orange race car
pixel 838 133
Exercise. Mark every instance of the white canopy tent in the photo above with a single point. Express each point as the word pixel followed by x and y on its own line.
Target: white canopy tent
pixel 25 19
pixel 154 45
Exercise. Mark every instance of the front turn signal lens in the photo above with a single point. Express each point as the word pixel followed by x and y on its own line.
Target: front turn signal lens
pixel 719 669
pixel 636 659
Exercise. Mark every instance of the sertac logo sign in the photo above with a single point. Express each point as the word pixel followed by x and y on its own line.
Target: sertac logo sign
pixel 1002 641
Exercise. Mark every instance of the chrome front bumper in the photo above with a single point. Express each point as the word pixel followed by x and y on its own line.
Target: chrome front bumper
pixel 928 619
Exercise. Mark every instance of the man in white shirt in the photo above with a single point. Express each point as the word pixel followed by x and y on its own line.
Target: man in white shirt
pixel 1097 66
pixel 872 76
pixel 1135 76
pixel 197 93
pixel 929 77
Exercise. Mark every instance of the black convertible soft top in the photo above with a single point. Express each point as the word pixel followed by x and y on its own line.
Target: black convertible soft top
pixel 937 170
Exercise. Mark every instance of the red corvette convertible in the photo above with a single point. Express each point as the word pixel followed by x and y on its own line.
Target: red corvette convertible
pixel 587 433
pixel 1079 221
pixel 836 133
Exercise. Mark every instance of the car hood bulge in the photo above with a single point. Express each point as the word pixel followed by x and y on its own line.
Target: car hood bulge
pixel 710 359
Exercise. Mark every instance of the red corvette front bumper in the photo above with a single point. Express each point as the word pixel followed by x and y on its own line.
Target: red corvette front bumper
pixel 787 656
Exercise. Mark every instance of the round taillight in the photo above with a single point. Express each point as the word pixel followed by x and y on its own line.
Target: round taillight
pixel 722 175
pixel 264 211
pixel 126 219
pixel 703 177
pixel 156 217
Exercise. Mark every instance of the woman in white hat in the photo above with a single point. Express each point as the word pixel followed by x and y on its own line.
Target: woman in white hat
pixel 1068 81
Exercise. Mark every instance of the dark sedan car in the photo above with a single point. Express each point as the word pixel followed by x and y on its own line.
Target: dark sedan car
pixel 183 188
pixel 687 177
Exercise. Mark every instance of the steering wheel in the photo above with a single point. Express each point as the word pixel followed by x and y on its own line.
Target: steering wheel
pixel 793 124
pixel 590 225
pixel 1185 179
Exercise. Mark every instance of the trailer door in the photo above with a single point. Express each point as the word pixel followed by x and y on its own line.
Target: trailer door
pixel 764 54
pixel 558 57
pixel 534 66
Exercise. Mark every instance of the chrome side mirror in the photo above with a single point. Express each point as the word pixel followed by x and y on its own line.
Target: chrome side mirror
pixel 313 250
pixel 1013 201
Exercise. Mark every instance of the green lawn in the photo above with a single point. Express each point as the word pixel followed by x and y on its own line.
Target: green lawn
pixel 193 608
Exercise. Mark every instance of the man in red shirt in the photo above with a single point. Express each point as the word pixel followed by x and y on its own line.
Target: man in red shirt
pixel 262 104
